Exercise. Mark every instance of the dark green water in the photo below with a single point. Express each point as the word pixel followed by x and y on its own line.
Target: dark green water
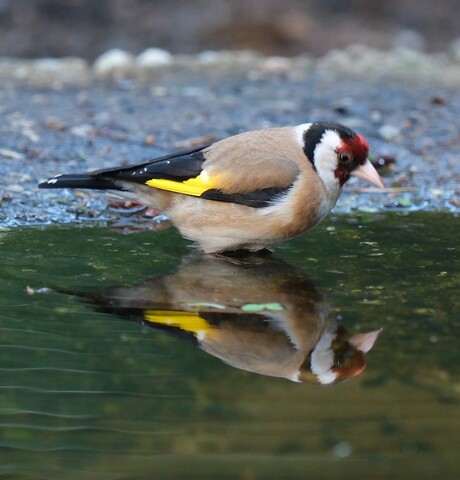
pixel 88 394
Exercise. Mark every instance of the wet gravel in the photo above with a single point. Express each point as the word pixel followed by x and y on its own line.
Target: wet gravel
pixel 66 118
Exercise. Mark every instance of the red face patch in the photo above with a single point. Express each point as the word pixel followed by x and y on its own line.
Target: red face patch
pixel 354 151
pixel 357 147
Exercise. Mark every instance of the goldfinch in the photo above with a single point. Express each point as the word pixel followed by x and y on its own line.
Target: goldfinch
pixel 247 191
pixel 259 314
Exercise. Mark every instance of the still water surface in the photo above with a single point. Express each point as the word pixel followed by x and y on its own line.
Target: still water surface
pixel 147 360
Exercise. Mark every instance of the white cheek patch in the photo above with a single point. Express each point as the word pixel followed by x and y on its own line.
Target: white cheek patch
pixel 322 359
pixel 326 157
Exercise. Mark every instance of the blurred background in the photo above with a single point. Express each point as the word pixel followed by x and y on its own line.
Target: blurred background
pixel 87 28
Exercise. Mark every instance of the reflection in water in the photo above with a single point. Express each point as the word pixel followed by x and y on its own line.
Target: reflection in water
pixel 259 314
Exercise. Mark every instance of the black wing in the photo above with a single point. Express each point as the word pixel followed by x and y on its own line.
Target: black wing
pixel 178 166
pixel 256 199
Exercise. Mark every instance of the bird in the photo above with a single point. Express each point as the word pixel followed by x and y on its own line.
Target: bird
pixel 247 191
pixel 257 313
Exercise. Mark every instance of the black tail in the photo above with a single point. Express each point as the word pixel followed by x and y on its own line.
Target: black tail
pixel 83 180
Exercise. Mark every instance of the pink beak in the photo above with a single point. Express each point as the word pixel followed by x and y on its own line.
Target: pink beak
pixel 369 173
pixel 364 341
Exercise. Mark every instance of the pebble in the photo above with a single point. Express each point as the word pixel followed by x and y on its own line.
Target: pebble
pixel 114 63
pixel 277 64
pixel 389 132
pixel 16 188
pixel 82 131
pixel 5 152
pixel 342 449
pixel 154 58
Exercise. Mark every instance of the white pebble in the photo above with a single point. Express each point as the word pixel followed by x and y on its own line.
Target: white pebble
pixel 5 152
pixel 277 64
pixel 154 57
pixel 342 450
pixel 389 132
pixel 84 130
pixel 114 63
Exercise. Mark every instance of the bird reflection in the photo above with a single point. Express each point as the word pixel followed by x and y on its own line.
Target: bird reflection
pixel 259 314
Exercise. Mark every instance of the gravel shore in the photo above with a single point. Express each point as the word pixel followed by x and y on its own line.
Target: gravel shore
pixel 66 115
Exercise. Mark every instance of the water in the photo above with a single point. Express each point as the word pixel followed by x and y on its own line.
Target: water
pixel 88 391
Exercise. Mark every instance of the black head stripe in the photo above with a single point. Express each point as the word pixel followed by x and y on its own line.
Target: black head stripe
pixel 313 136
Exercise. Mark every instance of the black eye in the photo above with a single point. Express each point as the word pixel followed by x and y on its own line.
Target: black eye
pixel 344 158
pixel 339 360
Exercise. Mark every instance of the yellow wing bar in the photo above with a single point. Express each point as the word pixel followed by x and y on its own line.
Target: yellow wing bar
pixel 193 186
pixel 188 321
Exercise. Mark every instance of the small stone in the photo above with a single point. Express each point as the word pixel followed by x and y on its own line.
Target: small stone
pixel 114 63
pixel 55 124
pixel 5 152
pixel 342 450
pixel 438 100
pixel 82 131
pixel 384 162
pixel 208 57
pixel 376 116
pixel 154 58
pixel 16 188
pixel 277 64
pixel 389 132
